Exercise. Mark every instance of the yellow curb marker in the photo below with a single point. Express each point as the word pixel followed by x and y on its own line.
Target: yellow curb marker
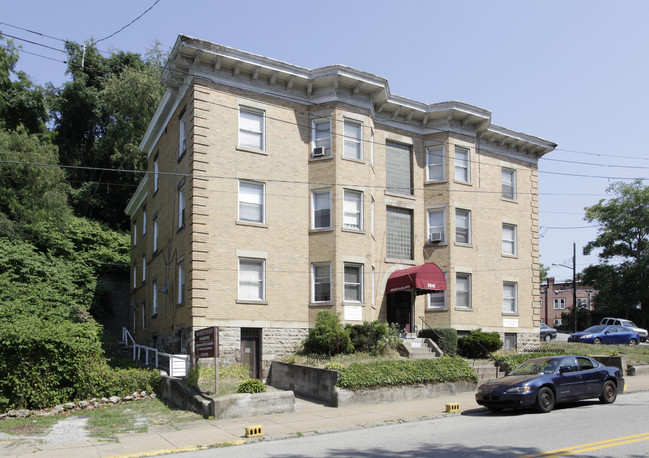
pixel 254 431
pixel 453 407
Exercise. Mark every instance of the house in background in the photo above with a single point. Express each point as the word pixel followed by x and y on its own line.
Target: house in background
pixel 274 192
pixel 557 298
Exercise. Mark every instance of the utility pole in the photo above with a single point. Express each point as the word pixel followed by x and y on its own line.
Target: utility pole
pixel 574 283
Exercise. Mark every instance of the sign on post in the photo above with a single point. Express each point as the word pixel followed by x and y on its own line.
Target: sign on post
pixel 206 343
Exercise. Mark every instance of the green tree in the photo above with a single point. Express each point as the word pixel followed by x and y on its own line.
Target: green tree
pixel 623 238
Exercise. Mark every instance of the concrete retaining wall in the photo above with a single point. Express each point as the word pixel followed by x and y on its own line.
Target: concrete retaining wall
pixel 308 382
pixel 249 405
pixel 401 393
pixel 174 391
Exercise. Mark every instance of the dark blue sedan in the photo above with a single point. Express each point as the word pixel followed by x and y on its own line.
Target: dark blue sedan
pixel 542 382
pixel 603 334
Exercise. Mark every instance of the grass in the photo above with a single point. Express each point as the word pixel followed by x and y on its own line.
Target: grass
pixel 230 377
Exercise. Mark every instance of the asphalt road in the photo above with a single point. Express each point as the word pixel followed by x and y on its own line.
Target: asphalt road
pixel 586 428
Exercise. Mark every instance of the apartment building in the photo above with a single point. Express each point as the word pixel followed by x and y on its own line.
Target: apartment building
pixel 274 192
pixel 557 298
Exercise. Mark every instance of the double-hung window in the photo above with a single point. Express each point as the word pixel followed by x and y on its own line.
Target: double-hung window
pixel 399 233
pixel 510 301
pixel 134 233
pixel 251 128
pixel 143 315
pixel 436 226
pixel 143 268
pixel 508 184
pixel 560 303
pixel 134 275
pixel 181 283
pixel 154 312
pixel 463 290
pixel 353 210
pixel 398 166
pixel 463 226
pixel 321 209
pixel 321 282
pixel 462 165
pixel 321 132
pixel 144 222
pixel 353 141
pixel 252 276
pixel 353 282
pixel 437 300
pixel 156 173
pixel 182 135
pixel 155 234
pixel 435 163
pixel 251 202
pixel 509 239
pixel 181 209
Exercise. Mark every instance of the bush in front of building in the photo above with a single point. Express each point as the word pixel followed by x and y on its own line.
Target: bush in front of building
pixel 405 372
pixel 445 338
pixel 252 386
pixel 368 337
pixel 328 336
pixel 475 344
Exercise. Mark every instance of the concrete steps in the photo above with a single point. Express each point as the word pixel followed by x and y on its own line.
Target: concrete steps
pixel 420 348
pixel 485 369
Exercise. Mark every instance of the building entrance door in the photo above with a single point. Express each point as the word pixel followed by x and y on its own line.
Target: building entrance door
pixel 400 310
pixel 251 351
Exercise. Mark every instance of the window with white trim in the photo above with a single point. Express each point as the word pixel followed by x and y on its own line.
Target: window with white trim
pixel 510 297
pixel 143 315
pixel 321 282
pixel 560 303
pixel 134 275
pixel 181 209
pixel 134 317
pixel 353 210
pixel 156 174
pixel 436 225
pixel 462 226
pixel 251 128
pixel 509 239
pixel 398 167
pixel 437 299
pixel 143 268
pixel 508 183
pixel 372 215
pixel 154 312
pixel 463 290
pixel 321 209
pixel 252 274
pixel 143 222
pixel 462 165
pixel 372 147
pixel 399 233
pixel 181 283
pixel 134 233
pixel 435 163
pixel 321 134
pixel 251 202
pixel 353 139
pixel 155 234
pixel 182 135
pixel 353 282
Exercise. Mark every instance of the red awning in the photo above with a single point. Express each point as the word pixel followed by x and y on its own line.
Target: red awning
pixel 424 279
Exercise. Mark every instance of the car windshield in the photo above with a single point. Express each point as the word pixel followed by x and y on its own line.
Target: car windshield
pixel 598 328
pixel 536 366
pixel 628 324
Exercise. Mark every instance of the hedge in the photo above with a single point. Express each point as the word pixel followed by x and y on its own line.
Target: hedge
pixel 445 338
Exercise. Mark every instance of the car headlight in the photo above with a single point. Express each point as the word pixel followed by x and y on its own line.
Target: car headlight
pixel 587 336
pixel 518 389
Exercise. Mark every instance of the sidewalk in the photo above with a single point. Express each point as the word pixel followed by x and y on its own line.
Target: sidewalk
pixel 308 418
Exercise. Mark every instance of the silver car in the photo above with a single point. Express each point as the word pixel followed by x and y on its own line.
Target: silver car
pixel 627 324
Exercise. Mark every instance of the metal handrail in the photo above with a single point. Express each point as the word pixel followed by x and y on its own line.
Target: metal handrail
pixel 423 321
pixel 137 351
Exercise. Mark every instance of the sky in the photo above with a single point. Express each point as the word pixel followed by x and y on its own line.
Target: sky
pixel 569 71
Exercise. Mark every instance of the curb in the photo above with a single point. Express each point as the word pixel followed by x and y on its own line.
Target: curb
pixel 193 448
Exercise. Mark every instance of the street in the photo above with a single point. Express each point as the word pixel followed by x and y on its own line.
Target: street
pixel 585 428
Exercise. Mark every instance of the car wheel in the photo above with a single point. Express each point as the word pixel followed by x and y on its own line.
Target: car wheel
pixel 544 400
pixel 547 337
pixel 609 394
pixel 633 342
pixel 597 341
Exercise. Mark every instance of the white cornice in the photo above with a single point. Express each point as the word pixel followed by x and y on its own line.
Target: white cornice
pixel 139 196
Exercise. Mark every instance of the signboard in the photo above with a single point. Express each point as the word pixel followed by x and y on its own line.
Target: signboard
pixel 206 342
pixel 510 323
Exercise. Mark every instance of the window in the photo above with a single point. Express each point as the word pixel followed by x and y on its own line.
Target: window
pixel 134 275
pixel 156 170
pixel 251 202
pixel 509 343
pixel 560 303
pixel 508 184
pixel 252 279
pixel 372 215
pixel 251 128
pixel 462 169
pixel 510 302
pixel 321 209
pixel 353 282
pixel 582 303
pixel 321 287
pixel 353 144
pixel 399 233
pixel 155 298
pixel 143 269
pixel 435 163
pixel 353 210
pixel 436 226
pixel 155 235
pixel 437 300
pixel 181 209
pixel 321 137
pixel 181 283
pixel 143 315
pixel 463 226
pixel 134 317
pixel 144 222
pixel 372 147
pixel 509 239
pixel 557 322
pixel 463 291
pixel 399 168
pixel 182 135
pixel 134 233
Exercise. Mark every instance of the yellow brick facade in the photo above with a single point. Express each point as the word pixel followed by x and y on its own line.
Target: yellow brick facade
pixel 216 85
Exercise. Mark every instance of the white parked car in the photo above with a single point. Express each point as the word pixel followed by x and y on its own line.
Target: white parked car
pixel 627 324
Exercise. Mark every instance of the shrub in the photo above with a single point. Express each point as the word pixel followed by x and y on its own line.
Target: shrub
pixel 327 337
pixel 469 348
pixel 334 366
pixel 445 338
pixel 367 336
pixel 252 386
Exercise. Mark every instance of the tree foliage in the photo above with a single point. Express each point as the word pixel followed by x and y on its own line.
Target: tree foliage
pixel 328 336
pixel 623 238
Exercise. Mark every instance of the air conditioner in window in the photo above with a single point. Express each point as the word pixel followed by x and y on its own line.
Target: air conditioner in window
pixel 435 237
pixel 318 151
